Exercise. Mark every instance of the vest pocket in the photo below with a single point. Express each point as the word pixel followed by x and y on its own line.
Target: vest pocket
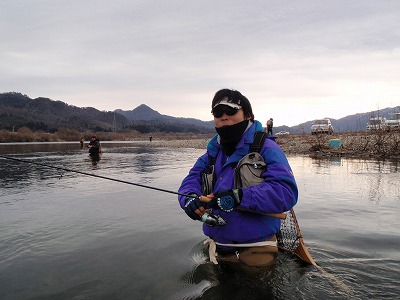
pixel 207 181
pixel 249 170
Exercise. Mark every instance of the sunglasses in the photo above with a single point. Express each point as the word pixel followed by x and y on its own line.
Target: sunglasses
pixel 224 109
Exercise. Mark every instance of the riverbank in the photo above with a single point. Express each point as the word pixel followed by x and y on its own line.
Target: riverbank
pixel 377 144
pixel 359 144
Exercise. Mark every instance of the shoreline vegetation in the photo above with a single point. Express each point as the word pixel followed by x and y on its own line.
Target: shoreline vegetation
pixel 374 144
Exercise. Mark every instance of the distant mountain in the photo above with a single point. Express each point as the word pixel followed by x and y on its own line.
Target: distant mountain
pixel 142 112
pixel 18 110
pixel 357 122
pixel 145 113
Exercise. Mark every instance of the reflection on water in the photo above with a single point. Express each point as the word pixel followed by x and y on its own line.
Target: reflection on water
pixel 66 235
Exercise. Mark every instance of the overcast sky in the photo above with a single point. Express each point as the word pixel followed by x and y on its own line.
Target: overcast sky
pixel 295 60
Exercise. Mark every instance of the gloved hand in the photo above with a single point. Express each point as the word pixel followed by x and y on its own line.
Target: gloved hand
pixel 193 204
pixel 226 200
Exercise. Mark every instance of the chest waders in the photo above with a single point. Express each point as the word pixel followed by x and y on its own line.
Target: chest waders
pixel 248 172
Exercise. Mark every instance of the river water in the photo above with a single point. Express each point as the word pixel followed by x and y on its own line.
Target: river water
pixel 66 235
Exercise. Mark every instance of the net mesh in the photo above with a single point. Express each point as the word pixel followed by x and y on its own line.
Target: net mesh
pixel 288 237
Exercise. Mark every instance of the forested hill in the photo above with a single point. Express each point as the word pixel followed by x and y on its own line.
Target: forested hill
pixel 43 114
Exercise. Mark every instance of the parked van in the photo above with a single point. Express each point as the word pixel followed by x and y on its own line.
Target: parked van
pixel 376 123
pixel 393 121
pixel 322 126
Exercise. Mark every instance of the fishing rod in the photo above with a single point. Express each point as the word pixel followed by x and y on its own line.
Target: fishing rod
pixel 208 217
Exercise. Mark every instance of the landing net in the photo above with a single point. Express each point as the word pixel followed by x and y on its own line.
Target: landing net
pixel 290 239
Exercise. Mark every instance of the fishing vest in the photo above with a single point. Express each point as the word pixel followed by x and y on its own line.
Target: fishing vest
pixel 248 170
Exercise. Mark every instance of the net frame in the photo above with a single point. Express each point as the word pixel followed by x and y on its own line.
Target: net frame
pixel 291 240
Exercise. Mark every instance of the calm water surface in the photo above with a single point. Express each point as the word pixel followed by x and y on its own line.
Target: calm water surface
pixel 69 236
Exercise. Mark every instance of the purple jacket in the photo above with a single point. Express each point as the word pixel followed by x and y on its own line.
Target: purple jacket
pixel 278 193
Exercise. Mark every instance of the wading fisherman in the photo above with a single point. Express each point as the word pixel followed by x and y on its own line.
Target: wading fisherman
pixel 94 146
pixel 249 236
pixel 82 142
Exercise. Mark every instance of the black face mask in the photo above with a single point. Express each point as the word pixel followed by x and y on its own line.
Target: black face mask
pixel 231 135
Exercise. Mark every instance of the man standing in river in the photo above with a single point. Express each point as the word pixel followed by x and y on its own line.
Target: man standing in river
pixel 94 146
pixel 247 235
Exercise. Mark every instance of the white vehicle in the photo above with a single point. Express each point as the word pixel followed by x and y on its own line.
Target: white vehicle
pixel 282 133
pixel 322 126
pixel 376 123
pixel 393 121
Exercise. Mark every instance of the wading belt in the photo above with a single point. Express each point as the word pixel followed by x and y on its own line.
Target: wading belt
pixel 212 247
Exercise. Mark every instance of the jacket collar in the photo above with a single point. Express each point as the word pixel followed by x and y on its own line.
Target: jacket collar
pixel 242 148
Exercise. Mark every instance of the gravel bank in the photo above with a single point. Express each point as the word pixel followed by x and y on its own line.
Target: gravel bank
pixel 192 143
pixel 361 144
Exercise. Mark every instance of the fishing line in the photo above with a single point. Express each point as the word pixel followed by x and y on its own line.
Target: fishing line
pixel 209 218
pixel 98 176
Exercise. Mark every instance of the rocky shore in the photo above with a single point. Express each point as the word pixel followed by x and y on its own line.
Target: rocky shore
pixel 197 143
pixel 361 144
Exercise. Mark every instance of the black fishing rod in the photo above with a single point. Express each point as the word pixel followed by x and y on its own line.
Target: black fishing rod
pixel 208 218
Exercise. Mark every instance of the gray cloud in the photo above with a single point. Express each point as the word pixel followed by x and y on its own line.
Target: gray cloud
pixel 174 55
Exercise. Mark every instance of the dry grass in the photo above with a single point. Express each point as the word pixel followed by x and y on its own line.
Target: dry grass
pixel 24 134
pixel 377 144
